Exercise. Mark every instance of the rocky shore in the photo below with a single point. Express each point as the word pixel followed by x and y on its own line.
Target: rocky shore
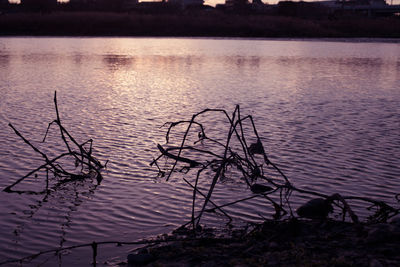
pixel 286 243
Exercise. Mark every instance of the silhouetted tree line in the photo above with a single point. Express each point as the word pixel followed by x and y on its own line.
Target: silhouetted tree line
pixel 4 4
pixel 38 5
pixel 96 5
pixel 72 5
pixel 301 9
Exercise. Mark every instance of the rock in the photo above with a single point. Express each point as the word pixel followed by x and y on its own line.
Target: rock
pixel 395 221
pixel 375 263
pixel 259 188
pixel 317 208
pixel 176 245
pixel 256 148
pixel 273 246
pixel 140 259
pixel 143 251
pixel 379 233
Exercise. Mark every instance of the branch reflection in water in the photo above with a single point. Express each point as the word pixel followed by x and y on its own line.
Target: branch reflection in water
pixel 70 177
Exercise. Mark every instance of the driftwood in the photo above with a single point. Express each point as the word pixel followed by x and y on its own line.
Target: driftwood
pixel 86 165
pixel 249 161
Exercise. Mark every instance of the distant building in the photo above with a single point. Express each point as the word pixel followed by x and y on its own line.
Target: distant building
pixel 38 2
pixel 38 5
pixel 236 3
pixel 4 6
pixel 338 3
pixel 129 4
pixel 103 5
pixel 155 7
pixel 370 8
pixel 187 3
pixel 81 2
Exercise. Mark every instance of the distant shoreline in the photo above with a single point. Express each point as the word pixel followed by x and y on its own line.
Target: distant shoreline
pixel 213 25
pixel 297 39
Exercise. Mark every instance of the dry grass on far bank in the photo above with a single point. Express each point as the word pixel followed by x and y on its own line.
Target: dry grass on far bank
pixel 197 24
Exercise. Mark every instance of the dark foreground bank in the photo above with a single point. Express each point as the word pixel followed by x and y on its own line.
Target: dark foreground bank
pixel 196 24
pixel 289 243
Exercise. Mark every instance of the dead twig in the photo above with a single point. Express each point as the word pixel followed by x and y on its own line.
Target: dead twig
pixel 238 156
pixel 82 157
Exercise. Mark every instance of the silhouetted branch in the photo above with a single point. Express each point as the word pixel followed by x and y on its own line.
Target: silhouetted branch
pixel 82 157
pixel 216 206
pixel 237 154
pixel 192 163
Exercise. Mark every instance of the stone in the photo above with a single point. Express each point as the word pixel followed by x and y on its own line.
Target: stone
pixel 317 208
pixel 379 233
pixel 395 221
pixel 375 263
pixel 140 259
pixel 273 246
pixel 256 148
pixel 259 188
pixel 143 251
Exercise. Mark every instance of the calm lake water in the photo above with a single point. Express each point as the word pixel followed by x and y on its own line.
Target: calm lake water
pixel 328 113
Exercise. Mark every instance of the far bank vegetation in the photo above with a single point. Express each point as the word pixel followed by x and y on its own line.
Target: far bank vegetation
pixel 112 18
pixel 199 24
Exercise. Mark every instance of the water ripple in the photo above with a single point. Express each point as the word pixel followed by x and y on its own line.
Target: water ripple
pixel 327 111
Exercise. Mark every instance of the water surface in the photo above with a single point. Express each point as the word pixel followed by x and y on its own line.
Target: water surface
pixel 327 111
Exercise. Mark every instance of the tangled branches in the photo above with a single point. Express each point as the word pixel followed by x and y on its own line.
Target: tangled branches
pixel 238 157
pixel 86 165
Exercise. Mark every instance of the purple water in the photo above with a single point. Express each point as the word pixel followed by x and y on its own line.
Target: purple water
pixel 327 111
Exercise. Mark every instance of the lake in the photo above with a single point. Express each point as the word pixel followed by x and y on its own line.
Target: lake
pixel 327 111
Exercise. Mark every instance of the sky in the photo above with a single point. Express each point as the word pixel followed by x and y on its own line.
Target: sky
pixel 214 2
